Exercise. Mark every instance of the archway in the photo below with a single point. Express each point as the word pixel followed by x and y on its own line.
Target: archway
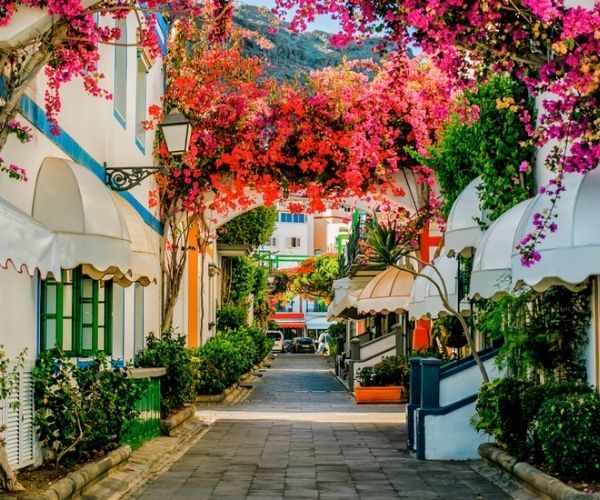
pixel 202 280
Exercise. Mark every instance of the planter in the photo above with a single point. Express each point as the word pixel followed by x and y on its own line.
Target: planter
pixel 168 424
pixel 374 395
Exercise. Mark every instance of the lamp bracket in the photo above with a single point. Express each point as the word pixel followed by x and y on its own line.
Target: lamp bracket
pixel 125 178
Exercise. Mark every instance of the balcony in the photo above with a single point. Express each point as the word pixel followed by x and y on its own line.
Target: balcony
pixel 353 262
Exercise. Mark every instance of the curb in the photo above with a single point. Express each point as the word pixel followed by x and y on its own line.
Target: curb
pixel 232 392
pixel 168 424
pixel 148 461
pixel 75 482
pixel 536 481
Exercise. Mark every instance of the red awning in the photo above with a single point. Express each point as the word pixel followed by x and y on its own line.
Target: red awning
pixel 291 325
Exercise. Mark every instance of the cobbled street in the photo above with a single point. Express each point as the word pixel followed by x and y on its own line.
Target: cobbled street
pixel 301 435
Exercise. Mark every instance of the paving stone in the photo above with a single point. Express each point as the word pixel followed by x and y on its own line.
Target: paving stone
pixel 300 435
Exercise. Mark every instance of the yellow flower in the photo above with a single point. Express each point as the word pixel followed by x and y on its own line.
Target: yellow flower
pixel 504 103
pixel 560 48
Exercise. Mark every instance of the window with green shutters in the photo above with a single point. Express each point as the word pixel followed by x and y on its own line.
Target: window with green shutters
pixel 76 314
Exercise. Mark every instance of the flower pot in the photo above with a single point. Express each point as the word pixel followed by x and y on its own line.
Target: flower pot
pixel 374 395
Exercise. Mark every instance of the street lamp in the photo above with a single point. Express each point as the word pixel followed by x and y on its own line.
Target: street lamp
pixel 176 130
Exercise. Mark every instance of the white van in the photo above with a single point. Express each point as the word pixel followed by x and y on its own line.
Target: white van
pixel 277 337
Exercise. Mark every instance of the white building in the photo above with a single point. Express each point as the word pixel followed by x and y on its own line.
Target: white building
pixel 80 261
pixel 298 236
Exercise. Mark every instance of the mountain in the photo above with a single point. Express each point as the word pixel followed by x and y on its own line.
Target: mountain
pixel 294 54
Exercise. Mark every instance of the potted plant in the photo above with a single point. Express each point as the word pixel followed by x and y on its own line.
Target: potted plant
pixel 385 382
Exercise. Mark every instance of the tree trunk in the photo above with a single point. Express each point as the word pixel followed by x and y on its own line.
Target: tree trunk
pixel 8 479
pixel 172 292
pixel 174 246
pixel 17 83
pixel 444 296
pixel 202 286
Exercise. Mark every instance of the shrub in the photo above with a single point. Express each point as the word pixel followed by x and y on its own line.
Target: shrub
pixel 365 376
pixel 170 352
pixel 569 436
pixel 508 409
pixel 391 370
pixel 218 367
pixel 227 356
pixel 231 317
pixel 262 342
pixel 499 413
pixel 332 346
pixel 81 411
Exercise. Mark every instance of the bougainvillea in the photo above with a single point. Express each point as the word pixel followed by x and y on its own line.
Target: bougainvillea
pixel 68 47
pixel 551 46
pixel 313 277
pixel 341 134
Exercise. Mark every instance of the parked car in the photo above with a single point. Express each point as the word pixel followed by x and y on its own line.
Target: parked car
pixel 303 344
pixel 323 343
pixel 277 337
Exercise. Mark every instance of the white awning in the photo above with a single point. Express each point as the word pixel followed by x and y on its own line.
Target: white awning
pixel 89 226
pixel 319 323
pixel 387 292
pixel 448 268
pixel 491 274
pixel 345 308
pixel 571 254
pixel 426 299
pixel 341 302
pixel 145 266
pixel 462 230
pixel 416 304
pixel 26 243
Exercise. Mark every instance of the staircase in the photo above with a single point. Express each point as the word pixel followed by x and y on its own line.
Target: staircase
pixel 442 402
pixel 365 352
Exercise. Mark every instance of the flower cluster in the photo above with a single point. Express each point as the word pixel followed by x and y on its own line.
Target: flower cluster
pixel 23 132
pixel 13 171
pixel 552 47
pixel 341 134
pixel 75 36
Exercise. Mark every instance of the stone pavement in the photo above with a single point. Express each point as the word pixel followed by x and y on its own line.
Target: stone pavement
pixel 300 435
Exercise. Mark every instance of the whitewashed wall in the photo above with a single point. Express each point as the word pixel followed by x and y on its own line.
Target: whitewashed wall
pixel 91 123
pixel 451 436
pixel 466 382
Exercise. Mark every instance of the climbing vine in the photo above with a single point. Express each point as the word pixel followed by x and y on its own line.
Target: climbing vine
pixel 543 334
pixel 250 228
pixel 493 142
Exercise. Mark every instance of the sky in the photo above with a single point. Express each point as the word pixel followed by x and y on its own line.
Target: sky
pixel 323 23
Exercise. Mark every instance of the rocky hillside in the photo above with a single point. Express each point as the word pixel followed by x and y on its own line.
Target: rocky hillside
pixel 294 54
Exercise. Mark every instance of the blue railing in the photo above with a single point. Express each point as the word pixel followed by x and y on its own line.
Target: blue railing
pixel 424 394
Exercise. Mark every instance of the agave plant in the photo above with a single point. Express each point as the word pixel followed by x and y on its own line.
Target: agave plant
pixel 393 240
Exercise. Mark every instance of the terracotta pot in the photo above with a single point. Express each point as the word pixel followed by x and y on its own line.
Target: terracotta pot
pixel 389 394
